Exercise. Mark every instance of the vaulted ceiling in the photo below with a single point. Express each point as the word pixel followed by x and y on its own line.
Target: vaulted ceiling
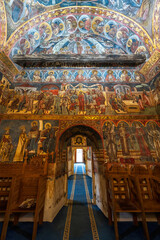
pixel 80 27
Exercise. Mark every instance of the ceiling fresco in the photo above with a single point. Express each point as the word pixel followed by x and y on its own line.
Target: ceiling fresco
pixel 68 27
pixel 19 11
pixel 84 33
pixel 80 34
pixel 79 31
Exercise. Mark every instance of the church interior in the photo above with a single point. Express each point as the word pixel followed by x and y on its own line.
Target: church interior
pixel 79 119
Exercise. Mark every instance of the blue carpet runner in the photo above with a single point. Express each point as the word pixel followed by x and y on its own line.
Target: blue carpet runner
pixel 80 220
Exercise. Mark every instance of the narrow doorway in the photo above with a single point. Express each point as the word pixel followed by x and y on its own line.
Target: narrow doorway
pixel 79 155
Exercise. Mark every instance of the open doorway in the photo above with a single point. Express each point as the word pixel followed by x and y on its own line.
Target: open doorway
pixel 79 155
pixel 88 139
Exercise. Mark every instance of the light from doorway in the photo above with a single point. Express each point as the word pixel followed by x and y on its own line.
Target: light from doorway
pixel 79 155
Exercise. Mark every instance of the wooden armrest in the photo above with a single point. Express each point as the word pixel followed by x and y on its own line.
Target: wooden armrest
pixel 157 179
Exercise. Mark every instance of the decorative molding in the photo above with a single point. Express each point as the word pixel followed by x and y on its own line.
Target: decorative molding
pixel 77 60
pixel 3 24
pixel 150 63
pixel 156 24
pixel 8 64
pixel 77 117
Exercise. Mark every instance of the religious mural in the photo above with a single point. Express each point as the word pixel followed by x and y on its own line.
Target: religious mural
pixel 90 96
pixel 19 11
pixel 122 99
pixel 21 137
pixel 79 34
pixel 70 75
pixel 123 142
pixel 129 144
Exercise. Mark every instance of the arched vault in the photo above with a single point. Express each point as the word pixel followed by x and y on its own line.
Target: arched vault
pixel 102 21
pixel 86 131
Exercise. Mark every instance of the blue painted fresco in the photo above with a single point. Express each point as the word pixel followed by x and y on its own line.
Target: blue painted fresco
pixel 24 9
pixel 21 137
pixel 124 140
pixel 71 75
pixel 19 11
pixel 80 34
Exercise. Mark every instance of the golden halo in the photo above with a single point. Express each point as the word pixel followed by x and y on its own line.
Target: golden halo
pixel 107 28
pixel 7 128
pixel 140 49
pixel 110 71
pixel 48 124
pixel 36 35
pixel 152 124
pixel 94 71
pixel 81 71
pixel 124 71
pixel 23 72
pixel 81 24
pixel 32 123
pixel 37 72
pixel 129 43
pixel 94 24
pixel 51 72
pixel 19 52
pixel 61 26
pixel 47 29
pixel 27 44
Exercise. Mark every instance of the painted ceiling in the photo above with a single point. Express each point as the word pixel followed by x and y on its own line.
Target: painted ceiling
pixel 83 27
pixel 20 11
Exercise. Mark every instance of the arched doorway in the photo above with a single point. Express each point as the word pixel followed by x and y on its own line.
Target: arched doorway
pixel 92 146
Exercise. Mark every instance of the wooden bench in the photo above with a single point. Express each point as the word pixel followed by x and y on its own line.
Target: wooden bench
pixel 10 169
pixel 27 191
pixel 122 197
pixel 36 165
pixel 7 186
pixel 148 191
pixel 28 196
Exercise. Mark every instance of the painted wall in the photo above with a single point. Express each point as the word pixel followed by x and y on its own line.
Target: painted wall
pixel 21 137
pixel 91 92
pixel 123 142
pixel 127 94
pixel 128 144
